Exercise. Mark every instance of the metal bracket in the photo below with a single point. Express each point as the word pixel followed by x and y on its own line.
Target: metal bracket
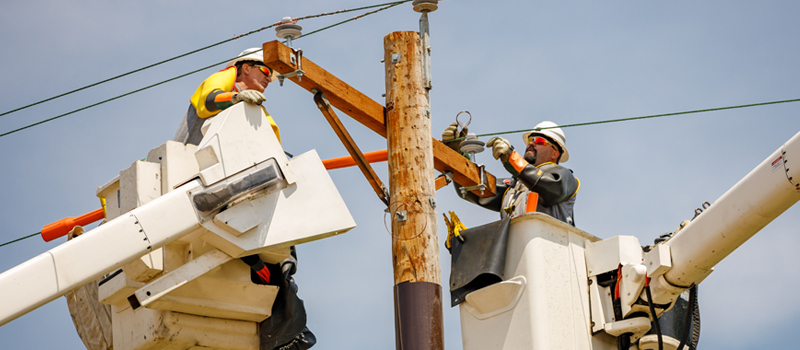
pixel 401 215
pixel 425 50
pixel 443 180
pixel 297 60
pixel 481 186
pixel 396 58
pixel 177 278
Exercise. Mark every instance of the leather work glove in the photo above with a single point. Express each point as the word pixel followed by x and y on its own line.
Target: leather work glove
pixel 249 96
pixel 450 133
pixel 501 148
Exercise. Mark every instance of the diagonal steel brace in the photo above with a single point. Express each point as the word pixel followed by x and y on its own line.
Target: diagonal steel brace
pixel 327 110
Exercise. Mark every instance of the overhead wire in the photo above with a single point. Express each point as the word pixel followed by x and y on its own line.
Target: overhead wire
pixel 205 48
pixel 481 135
pixel 389 5
pixel 19 239
pixel 632 118
pixel 392 4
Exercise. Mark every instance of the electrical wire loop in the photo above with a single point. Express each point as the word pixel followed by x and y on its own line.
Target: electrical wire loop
pixel 394 216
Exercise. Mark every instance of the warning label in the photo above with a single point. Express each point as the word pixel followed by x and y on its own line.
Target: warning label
pixel 777 164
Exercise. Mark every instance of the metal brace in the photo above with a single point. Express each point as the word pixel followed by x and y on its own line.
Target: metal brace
pixel 425 50
pixel 297 60
pixel 386 199
pixel 481 186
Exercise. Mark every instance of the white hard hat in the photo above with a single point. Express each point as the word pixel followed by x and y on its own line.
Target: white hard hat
pixel 251 54
pixel 551 131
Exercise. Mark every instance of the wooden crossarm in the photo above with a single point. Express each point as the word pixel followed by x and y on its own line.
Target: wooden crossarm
pixel 367 112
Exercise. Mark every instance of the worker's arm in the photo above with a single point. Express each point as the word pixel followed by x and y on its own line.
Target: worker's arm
pixel 214 95
pixel 554 183
pixel 494 203
pixel 218 100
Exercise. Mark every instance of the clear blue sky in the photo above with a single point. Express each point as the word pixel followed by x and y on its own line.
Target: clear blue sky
pixel 510 63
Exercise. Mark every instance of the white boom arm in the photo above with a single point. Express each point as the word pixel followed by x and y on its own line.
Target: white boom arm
pixel 760 197
pixel 690 255
pixel 246 198
pixel 110 246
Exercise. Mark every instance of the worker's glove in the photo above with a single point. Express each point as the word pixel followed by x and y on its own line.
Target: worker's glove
pixel 249 96
pixel 451 132
pixel 288 267
pixel 501 148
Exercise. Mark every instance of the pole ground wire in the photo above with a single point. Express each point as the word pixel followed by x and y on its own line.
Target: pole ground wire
pixel 201 49
pixel 192 72
pixel 633 118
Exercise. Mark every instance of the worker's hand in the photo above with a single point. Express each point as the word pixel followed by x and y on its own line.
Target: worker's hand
pixel 501 148
pixel 249 96
pixel 288 267
pixel 450 133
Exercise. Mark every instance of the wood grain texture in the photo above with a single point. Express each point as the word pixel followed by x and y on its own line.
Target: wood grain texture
pixel 415 244
pixel 367 112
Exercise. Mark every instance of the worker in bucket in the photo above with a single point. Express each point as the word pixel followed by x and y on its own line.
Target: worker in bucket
pixel 244 80
pixel 537 170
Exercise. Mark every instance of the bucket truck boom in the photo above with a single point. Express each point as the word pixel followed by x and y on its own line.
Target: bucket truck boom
pixel 176 222
pixel 566 289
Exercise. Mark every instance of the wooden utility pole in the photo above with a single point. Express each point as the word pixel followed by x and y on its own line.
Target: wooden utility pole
pixel 415 244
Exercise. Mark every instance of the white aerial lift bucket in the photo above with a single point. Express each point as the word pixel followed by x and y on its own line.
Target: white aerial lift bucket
pixel 543 302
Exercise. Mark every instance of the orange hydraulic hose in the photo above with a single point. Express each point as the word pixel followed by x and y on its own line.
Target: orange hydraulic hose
pixel 347 161
pixel 63 226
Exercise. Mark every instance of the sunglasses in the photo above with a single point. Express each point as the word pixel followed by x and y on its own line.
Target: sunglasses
pixel 542 141
pixel 264 69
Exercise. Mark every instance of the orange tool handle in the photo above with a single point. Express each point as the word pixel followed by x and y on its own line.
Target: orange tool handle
pixel 63 226
pixel 532 203
pixel 347 161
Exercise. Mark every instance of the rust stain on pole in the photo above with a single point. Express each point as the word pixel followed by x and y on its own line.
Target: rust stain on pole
pixel 415 244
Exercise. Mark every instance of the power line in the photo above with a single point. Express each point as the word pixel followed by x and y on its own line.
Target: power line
pixel 390 5
pixel 635 118
pixel 201 49
pixel 190 73
pixel 19 239
pixel 516 131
